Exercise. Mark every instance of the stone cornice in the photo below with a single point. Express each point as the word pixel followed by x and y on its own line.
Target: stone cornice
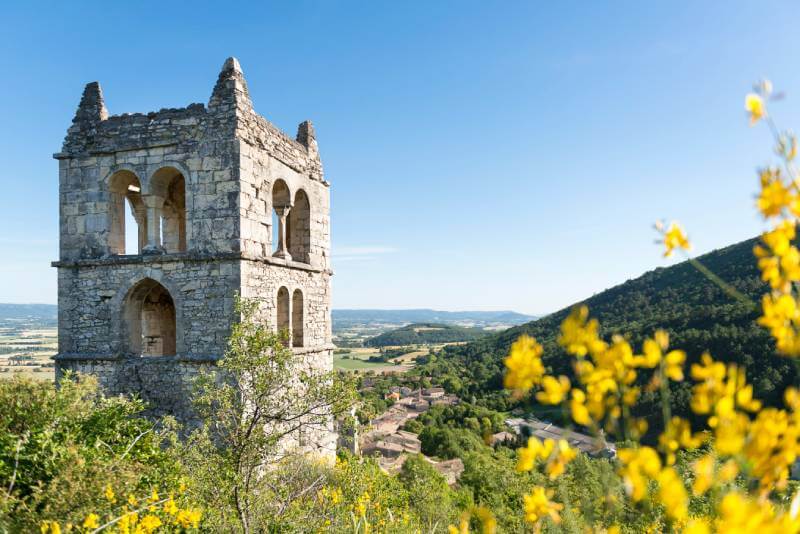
pixel 191 358
pixel 201 257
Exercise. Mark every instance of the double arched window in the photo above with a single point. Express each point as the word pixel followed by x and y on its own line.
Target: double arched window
pixel 291 316
pixel 291 223
pixel 152 217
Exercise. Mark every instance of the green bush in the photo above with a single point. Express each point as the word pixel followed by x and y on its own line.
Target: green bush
pixel 60 447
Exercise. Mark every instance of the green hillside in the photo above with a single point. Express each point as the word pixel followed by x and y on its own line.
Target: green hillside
pixel 419 333
pixel 698 315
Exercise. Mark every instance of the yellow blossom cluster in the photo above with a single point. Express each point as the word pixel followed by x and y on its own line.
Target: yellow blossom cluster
pixel 555 454
pixel 144 515
pixel 673 237
pixel 538 506
pixel 606 372
pixel 778 202
pixel 740 514
pixel 485 517
pixel 750 441
pixel 525 363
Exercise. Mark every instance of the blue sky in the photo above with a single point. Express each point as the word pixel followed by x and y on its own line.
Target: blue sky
pixel 482 155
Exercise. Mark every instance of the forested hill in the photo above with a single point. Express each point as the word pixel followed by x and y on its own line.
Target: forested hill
pixel 418 333
pixel 698 315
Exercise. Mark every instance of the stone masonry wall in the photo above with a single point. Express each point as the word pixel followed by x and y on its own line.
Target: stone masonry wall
pixel 164 383
pixel 230 158
pixel 261 281
pixel 258 173
pixel 92 295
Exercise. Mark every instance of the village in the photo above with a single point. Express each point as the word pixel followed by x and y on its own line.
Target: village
pixel 385 439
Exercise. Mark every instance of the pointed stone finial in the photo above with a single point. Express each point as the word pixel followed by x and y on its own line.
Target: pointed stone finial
pixel 232 64
pixel 92 108
pixel 306 134
pixel 230 93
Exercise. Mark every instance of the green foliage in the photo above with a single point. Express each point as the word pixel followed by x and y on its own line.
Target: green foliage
pixel 59 447
pixel 425 333
pixel 698 315
pixel 448 442
pixel 492 479
pixel 434 503
pixel 452 431
pixel 260 395
pixel 352 496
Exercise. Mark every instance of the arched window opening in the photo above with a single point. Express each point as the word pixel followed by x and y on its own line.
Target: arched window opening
pixel 149 316
pixel 169 186
pixel 299 228
pixel 281 205
pixel 297 318
pixel 127 215
pixel 283 311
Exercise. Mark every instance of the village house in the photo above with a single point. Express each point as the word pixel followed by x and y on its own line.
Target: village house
pixel 593 446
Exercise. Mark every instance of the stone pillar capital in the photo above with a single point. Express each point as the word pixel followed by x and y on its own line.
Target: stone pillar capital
pixel 153 201
pixel 284 210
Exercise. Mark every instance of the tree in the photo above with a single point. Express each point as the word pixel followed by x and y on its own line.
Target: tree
pixel 428 493
pixel 261 405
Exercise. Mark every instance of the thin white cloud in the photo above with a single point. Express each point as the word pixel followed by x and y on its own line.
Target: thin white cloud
pixel 340 259
pixel 360 253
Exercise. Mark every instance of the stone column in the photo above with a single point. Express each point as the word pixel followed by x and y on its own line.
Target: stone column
pixel 140 214
pixel 282 252
pixel 153 204
pixel 116 239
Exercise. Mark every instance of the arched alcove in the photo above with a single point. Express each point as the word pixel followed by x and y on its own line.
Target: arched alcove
pixel 283 310
pixel 297 318
pixel 168 185
pixel 298 229
pixel 149 320
pixel 127 215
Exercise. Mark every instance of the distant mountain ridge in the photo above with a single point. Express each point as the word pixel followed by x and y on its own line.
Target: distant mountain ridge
pixel 425 315
pixel 342 316
pixel 21 311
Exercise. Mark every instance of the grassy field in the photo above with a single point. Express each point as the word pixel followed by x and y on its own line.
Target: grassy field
pixel 356 364
pixel 26 351
pixel 356 360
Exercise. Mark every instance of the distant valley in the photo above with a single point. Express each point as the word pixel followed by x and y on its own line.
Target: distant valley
pixel 28 335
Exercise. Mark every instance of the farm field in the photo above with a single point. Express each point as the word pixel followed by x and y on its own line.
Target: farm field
pixel 357 359
pixel 26 348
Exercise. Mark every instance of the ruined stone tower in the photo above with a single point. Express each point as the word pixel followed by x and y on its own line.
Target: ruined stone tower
pixel 164 217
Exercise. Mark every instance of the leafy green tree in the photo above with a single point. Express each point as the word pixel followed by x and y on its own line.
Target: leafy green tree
pixel 260 397
pixel 428 493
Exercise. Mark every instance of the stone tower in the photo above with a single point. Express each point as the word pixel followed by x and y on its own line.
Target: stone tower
pixel 212 200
